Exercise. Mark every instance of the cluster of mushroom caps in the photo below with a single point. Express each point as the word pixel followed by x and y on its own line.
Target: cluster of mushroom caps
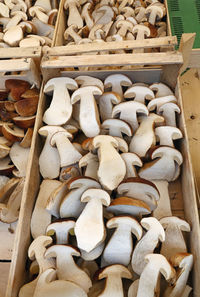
pixel 113 20
pixel 25 24
pixel 110 187
pixel 18 105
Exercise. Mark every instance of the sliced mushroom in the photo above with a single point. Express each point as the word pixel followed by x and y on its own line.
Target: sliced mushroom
pixel 24 122
pixel 12 133
pixel 66 267
pixel 13 36
pixel 158 102
pixel 16 88
pixel 71 206
pixel 74 15
pixel 116 81
pixel 91 162
pixel 106 102
pixel 167 135
pixel 140 189
pixel 112 168
pixel 116 127
pixel 119 248
pixel 145 138
pixel 39 13
pixel 168 111
pixel 86 80
pixel 147 244
pixel 26 141
pixel 41 218
pixel 93 254
pixel 156 264
pixel 139 94
pixel 174 241
pixel 161 90
pixel 113 275
pixel 60 109
pixel 130 160
pixel 8 188
pixel 89 228
pixel 127 111
pixel 19 156
pixel 5 167
pixel 163 205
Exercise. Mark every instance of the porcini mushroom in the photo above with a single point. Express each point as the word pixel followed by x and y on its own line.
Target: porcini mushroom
pixel 66 267
pixel 91 162
pixel 161 90
pixel 74 15
pixel 139 94
pixel 116 81
pixel 130 160
pixel 119 248
pixel 112 168
pixel 89 228
pixel 60 109
pixel 106 102
pixel 71 206
pixel 147 244
pixel 61 229
pixel 168 111
pixel 19 156
pixel 116 127
pixel 167 135
pixel 88 109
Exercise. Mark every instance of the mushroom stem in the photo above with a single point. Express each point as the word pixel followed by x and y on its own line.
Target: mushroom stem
pixel 164 206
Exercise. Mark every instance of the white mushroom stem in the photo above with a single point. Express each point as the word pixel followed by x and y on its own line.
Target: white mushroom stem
pixel 89 228
pixel 74 15
pixel 174 241
pixel 66 267
pixel 156 264
pixel 91 162
pixel 164 206
pixel 61 229
pixel 147 244
pixel 68 153
pixel 130 160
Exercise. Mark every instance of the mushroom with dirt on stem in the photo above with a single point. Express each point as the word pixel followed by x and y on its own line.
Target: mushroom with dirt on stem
pixel 120 246
pixel 89 228
pixel 88 109
pixel 60 109
pixel 66 267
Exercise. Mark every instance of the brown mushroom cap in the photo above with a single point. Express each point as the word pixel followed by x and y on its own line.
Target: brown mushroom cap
pixel 26 107
pixel 15 134
pixel 3 94
pixel 24 122
pixel 16 87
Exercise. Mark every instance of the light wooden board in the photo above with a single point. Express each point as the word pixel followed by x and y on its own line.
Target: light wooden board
pixel 190 88
pixel 4 272
pixel 7 235
pixel 18 52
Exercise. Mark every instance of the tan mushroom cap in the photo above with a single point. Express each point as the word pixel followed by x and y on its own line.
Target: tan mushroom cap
pixel 117 269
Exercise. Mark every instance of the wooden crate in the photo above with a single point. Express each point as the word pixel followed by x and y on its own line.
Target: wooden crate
pixel 182 192
pixel 24 69
pixel 59 48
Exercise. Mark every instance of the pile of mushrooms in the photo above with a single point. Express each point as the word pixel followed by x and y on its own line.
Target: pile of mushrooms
pixel 18 106
pixel 27 23
pixel 112 20
pixel 103 210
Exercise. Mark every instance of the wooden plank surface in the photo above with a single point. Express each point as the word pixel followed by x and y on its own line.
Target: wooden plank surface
pixel 190 88
pixel 18 52
pixel 4 271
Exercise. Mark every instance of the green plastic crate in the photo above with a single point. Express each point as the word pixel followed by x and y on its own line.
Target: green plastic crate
pixel 185 18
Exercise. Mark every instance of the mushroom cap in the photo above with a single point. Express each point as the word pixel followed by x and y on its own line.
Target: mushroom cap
pixel 143 28
pixel 97 194
pixel 115 269
pixel 122 79
pixel 53 82
pixel 182 224
pixel 78 182
pixel 152 222
pixel 67 2
pixel 160 89
pixel 132 158
pixel 170 131
pixel 141 92
pixel 126 220
pixel 127 205
pixel 32 10
pixel 61 249
pixel 182 260
pixel 99 139
pixel 84 91
pixel 158 102
pixel 40 242
pixel 86 159
pixel 129 106
pixel 86 80
pixel 124 23
pixel 170 106
pixel 61 226
pixel 59 135
pixel 45 130
pixel 21 13
pixel 119 125
pixel 168 151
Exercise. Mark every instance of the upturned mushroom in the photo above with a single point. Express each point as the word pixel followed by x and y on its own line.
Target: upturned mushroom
pixel 184 263
pixel 120 246
pixel 106 103
pixel 41 218
pixel 112 168
pixel 156 264
pixel 168 111
pixel 141 189
pixel 60 109
pixel 49 160
pixel 88 109
pixel 61 229
pixel 139 94
pixel 174 241
pixel 128 206
pixel 89 228
pixel 74 16
pixel 128 111
pixel 113 275
pixel 91 162
pixel 116 127
pixel 145 138
pixel 116 82
pixel 68 153
pixel 147 244
pixel 167 135
pixel 71 206
pixel 164 167
pixel 66 267
pixel 48 286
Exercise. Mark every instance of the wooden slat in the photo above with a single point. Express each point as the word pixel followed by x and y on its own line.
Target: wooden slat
pixel 186 44
pixel 111 46
pixel 4 272
pixel 15 65
pixel 7 235
pixel 116 60
pixel 21 52
pixel 194 60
